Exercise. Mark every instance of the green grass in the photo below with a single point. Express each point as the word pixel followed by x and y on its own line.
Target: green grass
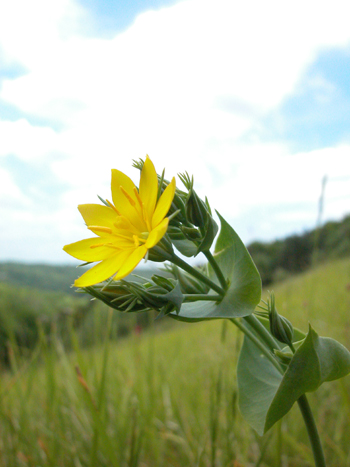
pixel 169 398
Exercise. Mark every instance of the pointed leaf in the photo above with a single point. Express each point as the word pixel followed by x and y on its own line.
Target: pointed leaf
pixel 265 395
pixel 317 360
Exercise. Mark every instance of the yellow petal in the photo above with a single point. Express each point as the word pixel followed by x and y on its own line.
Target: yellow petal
pixel 103 270
pixel 164 203
pixel 96 214
pixel 148 188
pixel 82 250
pixel 121 200
pixel 157 233
pixel 131 262
pixel 120 179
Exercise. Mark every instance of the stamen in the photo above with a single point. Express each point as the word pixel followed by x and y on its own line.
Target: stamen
pixel 138 197
pixel 97 246
pixel 99 228
pixel 128 197
pixel 110 245
pixel 143 210
pixel 136 240
pixel 113 207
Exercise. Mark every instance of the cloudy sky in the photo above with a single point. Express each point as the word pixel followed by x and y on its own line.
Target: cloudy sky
pixel 251 97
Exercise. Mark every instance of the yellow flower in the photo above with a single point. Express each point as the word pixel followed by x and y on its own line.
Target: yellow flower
pixel 126 229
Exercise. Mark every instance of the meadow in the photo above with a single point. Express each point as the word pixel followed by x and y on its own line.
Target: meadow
pixel 167 396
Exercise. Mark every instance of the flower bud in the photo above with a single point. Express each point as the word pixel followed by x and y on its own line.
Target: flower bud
pixel 280 327
pixel 161 252
pixel 196 210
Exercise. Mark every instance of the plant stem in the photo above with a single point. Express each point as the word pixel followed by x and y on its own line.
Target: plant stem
pixel 262 332
pixel 258 343
pixel 312 431
pixel 216 268
pixel 194 272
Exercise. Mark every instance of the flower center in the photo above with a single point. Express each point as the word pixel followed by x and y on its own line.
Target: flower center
pixel 141 238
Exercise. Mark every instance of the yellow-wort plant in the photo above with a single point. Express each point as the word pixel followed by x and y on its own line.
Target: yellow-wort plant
pixel 278 364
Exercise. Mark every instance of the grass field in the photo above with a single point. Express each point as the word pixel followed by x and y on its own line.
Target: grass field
pixel 169 398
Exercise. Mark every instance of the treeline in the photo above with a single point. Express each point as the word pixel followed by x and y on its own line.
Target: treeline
pixel 296 253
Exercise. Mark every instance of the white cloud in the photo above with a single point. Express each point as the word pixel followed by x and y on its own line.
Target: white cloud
pixel 184 84
pixel 26 141
pixel 10 193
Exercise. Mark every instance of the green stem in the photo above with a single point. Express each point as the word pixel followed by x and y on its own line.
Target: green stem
pixel 312 431
pixel 262 332
pixel 195 297
pixel 216 268
pixel 258 343
pixel 194 272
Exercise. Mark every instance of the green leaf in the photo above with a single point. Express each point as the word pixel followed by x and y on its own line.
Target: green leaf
pixel 244 283
pixel 317 360
pixel 258 381
pixel 265 395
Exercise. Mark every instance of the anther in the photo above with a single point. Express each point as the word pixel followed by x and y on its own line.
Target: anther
pixel 113 207
pixel 138 197
pixel 128 197
pixel 99 228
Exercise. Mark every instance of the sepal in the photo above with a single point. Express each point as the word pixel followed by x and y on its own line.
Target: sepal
pixel 160 293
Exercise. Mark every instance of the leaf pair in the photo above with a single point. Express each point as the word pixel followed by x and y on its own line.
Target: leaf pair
pixel 265 395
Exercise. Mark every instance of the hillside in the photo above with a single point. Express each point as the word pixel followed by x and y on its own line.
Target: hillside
pixel 161 399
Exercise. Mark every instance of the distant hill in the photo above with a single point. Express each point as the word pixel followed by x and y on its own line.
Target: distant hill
pixel 39 276
pixel 48 277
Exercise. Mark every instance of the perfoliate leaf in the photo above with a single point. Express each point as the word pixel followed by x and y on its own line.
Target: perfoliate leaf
pixel 244 283
pixel 317 360
pixel 265 395
pixel 258 381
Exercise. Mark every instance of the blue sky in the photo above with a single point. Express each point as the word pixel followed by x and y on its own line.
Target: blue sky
pixel 252 98
pixel 114 16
